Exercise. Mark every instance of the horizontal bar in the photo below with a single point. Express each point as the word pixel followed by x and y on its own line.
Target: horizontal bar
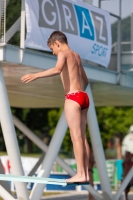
pixel 33 179
pixel 30 179
pixel 118 17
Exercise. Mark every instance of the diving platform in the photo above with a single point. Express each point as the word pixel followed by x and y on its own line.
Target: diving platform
pixel 107 88
pixel 44 180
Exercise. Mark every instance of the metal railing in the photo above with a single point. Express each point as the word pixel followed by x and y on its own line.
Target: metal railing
pixel 2 21
pixel 125 46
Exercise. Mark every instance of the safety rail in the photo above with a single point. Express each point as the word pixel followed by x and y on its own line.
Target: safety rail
pixel 2 20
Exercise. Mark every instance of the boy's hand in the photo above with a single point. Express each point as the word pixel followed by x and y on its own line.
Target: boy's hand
pixel 28 78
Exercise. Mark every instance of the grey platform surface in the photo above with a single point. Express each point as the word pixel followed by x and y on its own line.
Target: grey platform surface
pixel 77 196
pixel 48 93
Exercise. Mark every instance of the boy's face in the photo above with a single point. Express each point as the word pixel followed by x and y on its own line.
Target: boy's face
pixel 55 47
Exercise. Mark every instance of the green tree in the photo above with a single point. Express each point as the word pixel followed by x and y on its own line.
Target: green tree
pixel 114 121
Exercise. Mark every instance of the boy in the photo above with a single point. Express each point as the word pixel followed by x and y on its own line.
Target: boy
pixel 76 104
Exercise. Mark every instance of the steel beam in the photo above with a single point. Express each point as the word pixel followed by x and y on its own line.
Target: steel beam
pixel 5 195
pixel 14 28
pixel 22 29
pixel 124 184
pixel 132 32
pixel 51 155
pixel 119 44
pixel 10 139
pixel 32 172
pixel 44 148
pixel 97 147
pixel 0 11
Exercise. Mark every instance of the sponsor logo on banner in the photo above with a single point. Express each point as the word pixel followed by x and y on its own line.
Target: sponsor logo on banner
pixel 76 18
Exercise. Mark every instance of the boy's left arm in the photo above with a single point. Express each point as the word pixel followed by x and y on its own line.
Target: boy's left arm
pixel 48 73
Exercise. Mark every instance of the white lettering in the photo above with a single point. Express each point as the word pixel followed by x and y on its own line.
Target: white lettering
pixel 67 17
pixel 84 24
pixel 101 28
pixel 53 13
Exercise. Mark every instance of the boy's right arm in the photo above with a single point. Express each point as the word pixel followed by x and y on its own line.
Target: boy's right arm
pixel 47 73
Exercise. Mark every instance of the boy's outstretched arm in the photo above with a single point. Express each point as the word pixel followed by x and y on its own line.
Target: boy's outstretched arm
pixel 50 72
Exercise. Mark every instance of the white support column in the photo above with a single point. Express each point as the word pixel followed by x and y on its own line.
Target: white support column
pixel 0 11
pixel 132 32
pixel 10 139
pixel 2 20
pixel 51 154
pixel 5 195
pixel 124 184
pixel 119 44
pixel 14 28
pixel 44 148
pixel 22 28
pixel 97 147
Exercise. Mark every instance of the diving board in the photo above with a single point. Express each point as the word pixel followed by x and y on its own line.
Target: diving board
pixel 34 179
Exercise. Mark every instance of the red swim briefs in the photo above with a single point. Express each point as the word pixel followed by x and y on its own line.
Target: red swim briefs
pixel 80 97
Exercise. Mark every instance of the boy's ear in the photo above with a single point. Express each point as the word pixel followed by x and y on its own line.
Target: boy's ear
pixel 57 43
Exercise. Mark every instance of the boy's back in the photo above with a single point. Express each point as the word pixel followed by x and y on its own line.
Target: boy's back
pixel 73 76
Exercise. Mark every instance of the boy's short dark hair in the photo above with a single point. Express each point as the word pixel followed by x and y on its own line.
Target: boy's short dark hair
pixel 57 35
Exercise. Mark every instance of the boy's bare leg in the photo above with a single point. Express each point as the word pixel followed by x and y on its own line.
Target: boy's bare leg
pixel 74 119
pixel 87 150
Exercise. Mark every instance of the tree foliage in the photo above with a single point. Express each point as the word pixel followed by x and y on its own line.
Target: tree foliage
pixel 114 121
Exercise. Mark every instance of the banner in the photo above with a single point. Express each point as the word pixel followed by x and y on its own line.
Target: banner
pixel 87 28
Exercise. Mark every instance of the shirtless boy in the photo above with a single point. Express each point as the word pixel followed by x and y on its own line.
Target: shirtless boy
pixel 76 104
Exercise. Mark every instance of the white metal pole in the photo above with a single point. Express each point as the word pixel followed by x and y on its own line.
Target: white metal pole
pixel 4 21
pixel 97 147
pixel 119 44
pixel 44 148
pixel 10 138
pixel 22 28
pixel 124 184
pixel 0 11
pixel 51 154
pixel 132 32
pixel 5 195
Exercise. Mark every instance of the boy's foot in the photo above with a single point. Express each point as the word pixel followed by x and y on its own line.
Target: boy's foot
pixel 77 179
